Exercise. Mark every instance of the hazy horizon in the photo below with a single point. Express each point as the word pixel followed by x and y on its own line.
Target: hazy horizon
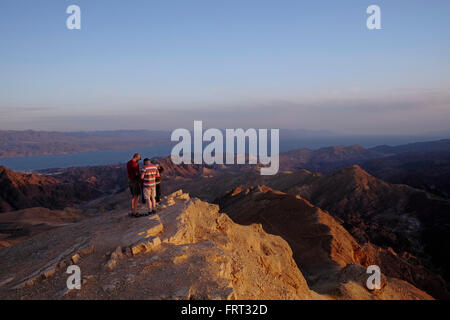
pixel 160 65
pixel 285 133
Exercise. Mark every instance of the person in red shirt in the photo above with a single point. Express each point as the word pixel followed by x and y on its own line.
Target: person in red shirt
pixel 134 182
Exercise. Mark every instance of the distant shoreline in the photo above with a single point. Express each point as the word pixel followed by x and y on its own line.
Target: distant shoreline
pixel 81 159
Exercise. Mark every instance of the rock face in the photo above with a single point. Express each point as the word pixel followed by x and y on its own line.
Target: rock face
pixel 180 171
pixel 318 241
pixel 411 221
pixel 105 179
pixel 429 171
pixel 21 191
pixel 188 251
pixel 321 246
pixel 395 218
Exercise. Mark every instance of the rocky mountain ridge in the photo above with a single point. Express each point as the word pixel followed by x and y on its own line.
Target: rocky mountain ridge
pixel 188 251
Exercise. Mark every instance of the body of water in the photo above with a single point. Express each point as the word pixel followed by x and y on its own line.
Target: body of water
pixel 82 159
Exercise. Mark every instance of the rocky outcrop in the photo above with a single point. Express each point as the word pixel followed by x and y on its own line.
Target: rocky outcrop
pixel 106 179
pixel 395 218
pixel 20 191
pixel 319 243
pixel 188 251
pixel 411 221
pixel 322 247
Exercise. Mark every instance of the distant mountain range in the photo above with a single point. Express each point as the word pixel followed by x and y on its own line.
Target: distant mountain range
pixel 424 165
pixel 34 143
pixel 417 147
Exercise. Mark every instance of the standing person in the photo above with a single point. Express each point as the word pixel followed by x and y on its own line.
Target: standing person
pixel 149 173
pixel 158 184
pixel 134 182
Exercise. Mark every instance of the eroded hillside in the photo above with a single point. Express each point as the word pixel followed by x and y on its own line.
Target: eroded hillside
pixel 188 251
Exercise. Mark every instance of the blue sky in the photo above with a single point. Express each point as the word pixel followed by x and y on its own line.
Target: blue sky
pixel 266 64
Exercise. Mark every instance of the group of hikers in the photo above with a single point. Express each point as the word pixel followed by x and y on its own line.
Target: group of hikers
pixel 145 182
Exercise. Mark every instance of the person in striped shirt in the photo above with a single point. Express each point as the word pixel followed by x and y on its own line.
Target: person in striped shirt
pixel 149 173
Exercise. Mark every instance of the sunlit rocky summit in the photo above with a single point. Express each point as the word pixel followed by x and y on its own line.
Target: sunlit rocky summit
pixel 189 250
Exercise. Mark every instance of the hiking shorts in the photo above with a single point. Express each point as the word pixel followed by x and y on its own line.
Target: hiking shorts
pixel 149 193
pixel 135 187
